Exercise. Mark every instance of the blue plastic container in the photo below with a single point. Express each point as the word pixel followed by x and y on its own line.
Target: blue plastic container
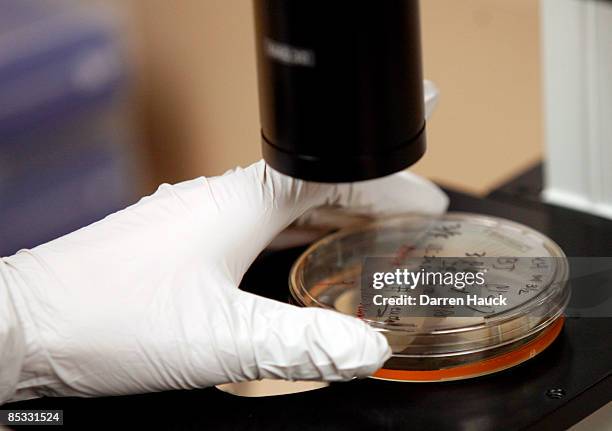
pixel 65 155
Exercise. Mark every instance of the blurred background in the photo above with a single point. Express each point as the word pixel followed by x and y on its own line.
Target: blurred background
pixel 100 101
pixel 199 86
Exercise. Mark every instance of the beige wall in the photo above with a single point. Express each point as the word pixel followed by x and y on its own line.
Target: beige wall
pixel 200 94
pixel 198 87
pixel 484 56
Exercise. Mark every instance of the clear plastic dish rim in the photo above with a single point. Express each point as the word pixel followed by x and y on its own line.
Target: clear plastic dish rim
pixel 301 295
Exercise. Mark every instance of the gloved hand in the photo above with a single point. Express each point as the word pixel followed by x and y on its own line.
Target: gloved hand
pixel 147 299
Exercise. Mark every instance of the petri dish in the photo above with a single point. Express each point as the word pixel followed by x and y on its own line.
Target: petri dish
pixel 445 342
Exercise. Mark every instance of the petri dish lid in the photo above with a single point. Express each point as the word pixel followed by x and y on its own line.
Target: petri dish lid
pixel 328 275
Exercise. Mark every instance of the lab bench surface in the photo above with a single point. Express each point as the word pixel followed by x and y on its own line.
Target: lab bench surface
pixel 557 388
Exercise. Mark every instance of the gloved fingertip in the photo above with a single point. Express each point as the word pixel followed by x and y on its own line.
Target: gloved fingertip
pixel 353 347
pixel 439 201
pixel 311 343
pixel 431 198
pixel 376 352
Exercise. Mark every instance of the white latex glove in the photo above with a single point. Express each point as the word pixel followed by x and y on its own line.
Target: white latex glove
pixel 147 299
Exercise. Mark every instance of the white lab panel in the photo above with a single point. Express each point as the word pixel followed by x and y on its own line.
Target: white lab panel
pixel 577 75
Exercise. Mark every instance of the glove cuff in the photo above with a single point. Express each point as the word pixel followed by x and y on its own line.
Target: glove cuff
pixel 29 372
pixel 12 339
